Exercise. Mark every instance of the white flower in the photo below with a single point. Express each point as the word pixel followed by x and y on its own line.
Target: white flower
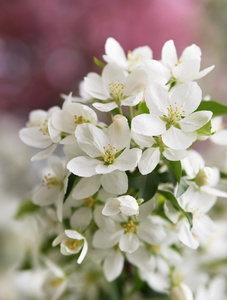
pixel 115 54
pixel 40 132
pixel 54 282
pixel 172 115
pixel 72 242
pixel 127 205
pixel 54 185
pixel 72 115
pixel 187 67
pixel 205 178
pixel 154 150
pixel 115 87
pixel 112 261
pixel 107 151
pixel 128 232
pixel 198 203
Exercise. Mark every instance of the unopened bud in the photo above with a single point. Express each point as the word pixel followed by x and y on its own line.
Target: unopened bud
pixel 204 176
pixel 181 292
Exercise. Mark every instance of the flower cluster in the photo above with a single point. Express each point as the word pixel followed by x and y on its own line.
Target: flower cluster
pixel 129 196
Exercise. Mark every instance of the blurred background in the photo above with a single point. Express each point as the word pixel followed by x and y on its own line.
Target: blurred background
pixel 47 47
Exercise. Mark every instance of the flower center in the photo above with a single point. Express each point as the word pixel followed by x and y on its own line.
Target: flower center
pixel 133 58
pixel 80 120
pixel 109 154
pixel 174 115
pixel 55 281
pixel 44 128
pixel 50 181
pixel 73 244
pixel 116 91
pixel 88 201
pixel 130 227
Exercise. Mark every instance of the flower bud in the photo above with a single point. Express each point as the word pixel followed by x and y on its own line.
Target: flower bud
pixel 181 292
pixel 204 176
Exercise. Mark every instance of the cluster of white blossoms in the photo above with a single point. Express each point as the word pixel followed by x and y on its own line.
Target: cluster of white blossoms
pixel 129 196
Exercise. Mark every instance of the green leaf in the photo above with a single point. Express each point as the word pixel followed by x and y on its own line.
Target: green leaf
pixel 26 207
pixel 183 186
pixel 171 197
pixel 176 168
pixel 72 181
pixel 98 62
pixel 148 185
pixel 143 108
pixel 218 109
pixel 206 129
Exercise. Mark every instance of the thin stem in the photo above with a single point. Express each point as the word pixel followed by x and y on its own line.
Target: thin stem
pixel 120 110
pixel 131 111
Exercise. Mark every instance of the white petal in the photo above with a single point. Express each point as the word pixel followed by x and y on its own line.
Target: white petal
pixel 220 138
pixel 175 155
pixel 128 205
pixel 191 52
pixel 81 218
pixel 149 160
pixel 186 70
pixel 113 265
pixel 136 82
pixel 114 52
pixel 59 239
pixel 187 96
pixel 129 242
pixel 86 187
pixel 33 137
pixel 171 213
pixel 169 54
pixel 83 166
pixel 119 133
pixel 105 107
pixel 113 72
pixel 45 153
pixel 177 139
pixel 46 196
pixel 195 121
pixel 57 165
pixel 157 99
pixel 132 100
pixel 115 182
pixel 112 207
pixel 203 73
pixel 148 125
pixel 203 227
pixel 91 139
pixel 83 252
pixel 186 237
pixel 105 240
pixel 95 88
pixel 128 159
pixel 151 233
pixel 142 140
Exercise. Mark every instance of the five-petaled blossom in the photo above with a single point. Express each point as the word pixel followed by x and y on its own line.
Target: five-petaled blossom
pixel 172 115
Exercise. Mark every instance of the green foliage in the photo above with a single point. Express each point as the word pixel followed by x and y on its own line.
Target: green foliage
pixel 169 196
pixel 176 168
pixel 26 207
pixel 218 109
pixel 98 63
pixel 206 129
pixel 182 188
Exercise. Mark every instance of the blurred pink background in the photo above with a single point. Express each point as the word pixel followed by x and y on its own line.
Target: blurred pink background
pixel 47 47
